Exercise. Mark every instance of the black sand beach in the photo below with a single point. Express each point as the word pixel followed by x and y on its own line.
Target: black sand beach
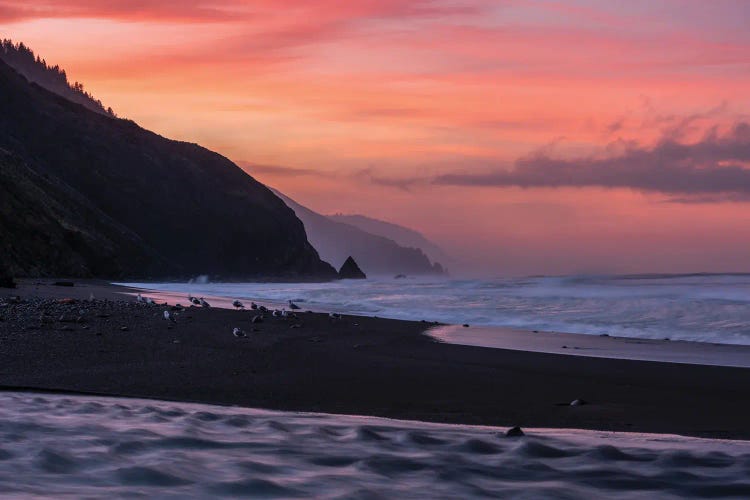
pixel 355 365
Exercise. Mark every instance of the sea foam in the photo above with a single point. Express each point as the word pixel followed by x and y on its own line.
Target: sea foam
pixel 701 308
pixel 57 446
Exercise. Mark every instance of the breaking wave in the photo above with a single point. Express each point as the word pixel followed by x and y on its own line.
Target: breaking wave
pixel 702 308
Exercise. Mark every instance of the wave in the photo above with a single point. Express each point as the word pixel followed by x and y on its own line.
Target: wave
pixel 81 446
pixel 695 307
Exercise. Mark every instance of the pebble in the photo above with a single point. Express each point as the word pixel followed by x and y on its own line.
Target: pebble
pixel 578 402
pixel 124 328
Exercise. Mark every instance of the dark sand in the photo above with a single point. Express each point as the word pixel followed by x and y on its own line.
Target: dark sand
pixel 357 365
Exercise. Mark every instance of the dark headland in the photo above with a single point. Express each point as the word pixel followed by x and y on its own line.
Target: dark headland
pixel 87 194
pixel 355 365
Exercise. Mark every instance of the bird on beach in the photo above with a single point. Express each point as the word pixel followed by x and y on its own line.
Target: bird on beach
pixel 150 301
pixel 263 309
pixel 238 332
pixel 292 305
pixel 238 305
pixel 334 315
pixel 139 298
pixel 169 317
pixel 276 313
pixel 253 306
pixel 193 300
pixel 203 302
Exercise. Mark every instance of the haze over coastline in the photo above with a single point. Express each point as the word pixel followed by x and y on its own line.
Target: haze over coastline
pixel 453 112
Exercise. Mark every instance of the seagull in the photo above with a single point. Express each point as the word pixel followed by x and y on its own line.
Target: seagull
pixel 238 305
pixel 292 305
pixel 285 313
pixel 263 309
pixel 203 303
pixel 253 306
pixel 334 315
pixel 276 313
pixel 139 298
pixel 194 300
pixel 237 332
pixel 150 301
pixel 169 317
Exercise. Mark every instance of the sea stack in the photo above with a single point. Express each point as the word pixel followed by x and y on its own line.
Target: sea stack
pixel 351 271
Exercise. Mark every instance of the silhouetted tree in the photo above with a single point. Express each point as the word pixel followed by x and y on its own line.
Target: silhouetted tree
pixel 53 78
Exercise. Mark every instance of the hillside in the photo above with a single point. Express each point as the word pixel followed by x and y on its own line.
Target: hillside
pixel 87 194
pixel 53 78
pixel 404 236
pixel 376 255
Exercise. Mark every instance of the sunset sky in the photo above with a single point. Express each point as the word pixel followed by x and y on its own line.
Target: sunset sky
pixel 525 137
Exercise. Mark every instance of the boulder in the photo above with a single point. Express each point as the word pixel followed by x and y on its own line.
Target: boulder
pixel 514 432
pixel 351 271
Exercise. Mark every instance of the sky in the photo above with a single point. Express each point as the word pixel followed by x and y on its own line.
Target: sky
pixel 523 136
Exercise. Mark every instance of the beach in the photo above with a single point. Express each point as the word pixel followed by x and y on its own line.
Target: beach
pixel 355 365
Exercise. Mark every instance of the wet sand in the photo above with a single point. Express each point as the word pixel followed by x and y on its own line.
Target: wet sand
pixel 355 365
pixel 599 346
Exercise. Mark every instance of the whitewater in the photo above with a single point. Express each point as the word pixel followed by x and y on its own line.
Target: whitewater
pixel 63 446
pixel 702 308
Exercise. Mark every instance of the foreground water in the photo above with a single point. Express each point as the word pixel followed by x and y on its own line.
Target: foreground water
pixel 57 446
pixel 702 308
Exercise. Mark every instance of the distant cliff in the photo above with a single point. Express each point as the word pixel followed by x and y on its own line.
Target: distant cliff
pixel 404 236
pixel 375 255
pixel 85 194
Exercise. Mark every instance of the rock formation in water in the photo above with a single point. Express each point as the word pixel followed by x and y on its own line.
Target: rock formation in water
pixel 83 193
pixel 351 271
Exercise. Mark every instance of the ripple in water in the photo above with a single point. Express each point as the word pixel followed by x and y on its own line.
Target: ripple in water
pixel 53 446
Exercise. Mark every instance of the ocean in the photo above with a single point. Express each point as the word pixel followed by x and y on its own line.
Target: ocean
pixel 62 446
pixel 702 307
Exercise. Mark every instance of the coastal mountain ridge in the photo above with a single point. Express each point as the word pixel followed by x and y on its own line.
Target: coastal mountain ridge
pixel 404 236
pixel 376 255
pixel 83 193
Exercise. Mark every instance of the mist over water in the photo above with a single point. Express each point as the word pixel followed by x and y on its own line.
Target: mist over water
pixel 704 308
pixel 58 446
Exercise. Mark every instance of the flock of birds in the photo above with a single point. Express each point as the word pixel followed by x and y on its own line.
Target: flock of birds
pixel 237 332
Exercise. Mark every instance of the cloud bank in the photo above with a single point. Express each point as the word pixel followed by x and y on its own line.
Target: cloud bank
pixel 714 165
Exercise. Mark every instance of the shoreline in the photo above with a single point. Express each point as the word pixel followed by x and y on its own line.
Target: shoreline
pixel 355 366
pixel 596 346
pixel 513 338
pixel 497 430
